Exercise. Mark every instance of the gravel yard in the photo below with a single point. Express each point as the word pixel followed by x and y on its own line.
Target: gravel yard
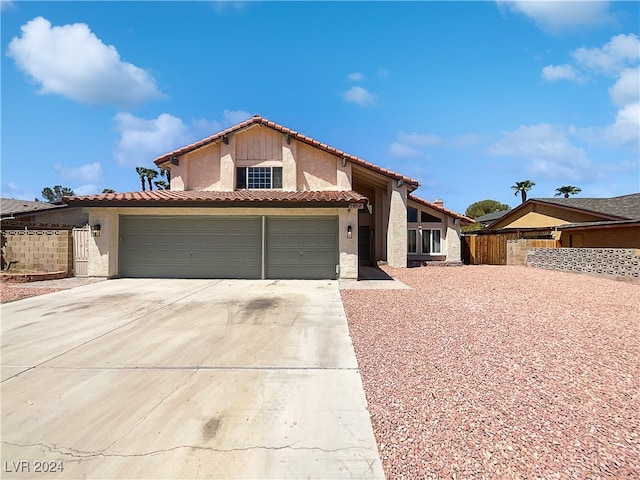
pixel 10 292
pixel 501 372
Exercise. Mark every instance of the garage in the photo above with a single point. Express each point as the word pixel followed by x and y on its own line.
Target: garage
pixel 190 247
pixel 228 247
pixel 302 247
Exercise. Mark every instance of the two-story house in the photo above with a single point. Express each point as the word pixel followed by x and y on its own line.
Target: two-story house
pixel 259 200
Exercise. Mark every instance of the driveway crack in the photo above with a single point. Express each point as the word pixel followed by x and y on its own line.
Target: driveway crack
pixel 83 455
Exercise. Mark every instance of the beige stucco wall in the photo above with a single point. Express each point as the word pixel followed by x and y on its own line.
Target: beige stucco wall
pixel 204 168
pixel 316 169
pixel 542 215
pixel 534 219
pixel 103 250
pixel 303 167
pixel 397 228
pixel 453 245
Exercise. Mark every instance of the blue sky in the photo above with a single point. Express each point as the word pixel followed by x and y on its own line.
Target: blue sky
pixel 466 97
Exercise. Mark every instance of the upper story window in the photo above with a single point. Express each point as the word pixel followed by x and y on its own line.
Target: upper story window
pixel 258 177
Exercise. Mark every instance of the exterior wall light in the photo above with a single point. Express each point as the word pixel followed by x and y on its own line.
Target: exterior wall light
pixel 349 231
pixel 95 230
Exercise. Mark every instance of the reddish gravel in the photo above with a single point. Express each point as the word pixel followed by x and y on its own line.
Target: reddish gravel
pixel 11 292
pixel 501 372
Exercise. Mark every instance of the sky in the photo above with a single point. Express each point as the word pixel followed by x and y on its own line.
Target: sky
pixel 466 97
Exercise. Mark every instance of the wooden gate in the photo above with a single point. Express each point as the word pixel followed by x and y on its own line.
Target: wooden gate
pixel 81 238
pixel 491 248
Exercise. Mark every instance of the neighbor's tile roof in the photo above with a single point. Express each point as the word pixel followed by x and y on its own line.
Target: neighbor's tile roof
pixel 11 206
pixel 200 197
pixel 626 207
pixel 257 119
pixel 440 208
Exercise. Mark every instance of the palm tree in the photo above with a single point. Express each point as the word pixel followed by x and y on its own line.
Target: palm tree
pixel 108 190
pixel 567 190
pixel 161 185
pixel 151 174
pixel 143 174
pixel 166 173
pixel 522 188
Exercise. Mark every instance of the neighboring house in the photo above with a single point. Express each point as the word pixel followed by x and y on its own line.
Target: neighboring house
pixel 259 200
pixel 579 222
pixel 488 218
pixel 20 212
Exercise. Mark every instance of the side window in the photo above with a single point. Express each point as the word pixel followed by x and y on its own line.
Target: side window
pixel 436 241
pixel 412 241
pixel 426 241
pixel 426 217
pixel 412 214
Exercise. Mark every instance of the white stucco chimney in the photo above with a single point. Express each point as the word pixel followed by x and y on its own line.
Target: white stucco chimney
pixel 438 201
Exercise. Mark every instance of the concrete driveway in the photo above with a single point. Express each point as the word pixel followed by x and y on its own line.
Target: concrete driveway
pixel 136 378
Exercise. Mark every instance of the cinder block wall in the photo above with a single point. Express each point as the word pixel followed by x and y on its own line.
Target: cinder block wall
pixel 618 263
pixel 37 250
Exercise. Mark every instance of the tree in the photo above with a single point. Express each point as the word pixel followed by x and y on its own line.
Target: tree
pixel 483 207
pixel 522 188
pixel 151 174
pixel 166 173
pixel 108 190
pixel 143 174
pixel 567 190
pixel 56 193
pixel 161 185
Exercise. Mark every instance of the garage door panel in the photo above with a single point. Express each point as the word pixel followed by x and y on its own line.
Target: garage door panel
pixel 302 247
pixel 190 247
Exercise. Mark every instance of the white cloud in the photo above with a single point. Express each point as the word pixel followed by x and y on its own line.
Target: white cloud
pixel 13 190
pixel 552 73
pixel 7 5
pixel 555 17
pixel 89 172
pixel 87 189
pixel 409 144
pixel 547 151
pixel 71 61
pixel 626 90
pixel 621 52
pixel 383 72
pixel 419 140
pixel 232 117
pixel 401 150
pixel 143 140
pixel 355 77
pixel 224 6
pixel 626 128
pixel 360 96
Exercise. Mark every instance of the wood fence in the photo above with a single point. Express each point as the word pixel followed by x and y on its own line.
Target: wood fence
pixel 491 249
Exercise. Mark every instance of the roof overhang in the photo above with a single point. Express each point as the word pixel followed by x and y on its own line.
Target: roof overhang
pixel 209 199
pixel 440 208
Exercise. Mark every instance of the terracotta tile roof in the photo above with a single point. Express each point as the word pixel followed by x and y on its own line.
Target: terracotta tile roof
pixel 440 208
pixel 257 119
pixel 202 198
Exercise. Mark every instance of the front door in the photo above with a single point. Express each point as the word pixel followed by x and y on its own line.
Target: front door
pixel 364 245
